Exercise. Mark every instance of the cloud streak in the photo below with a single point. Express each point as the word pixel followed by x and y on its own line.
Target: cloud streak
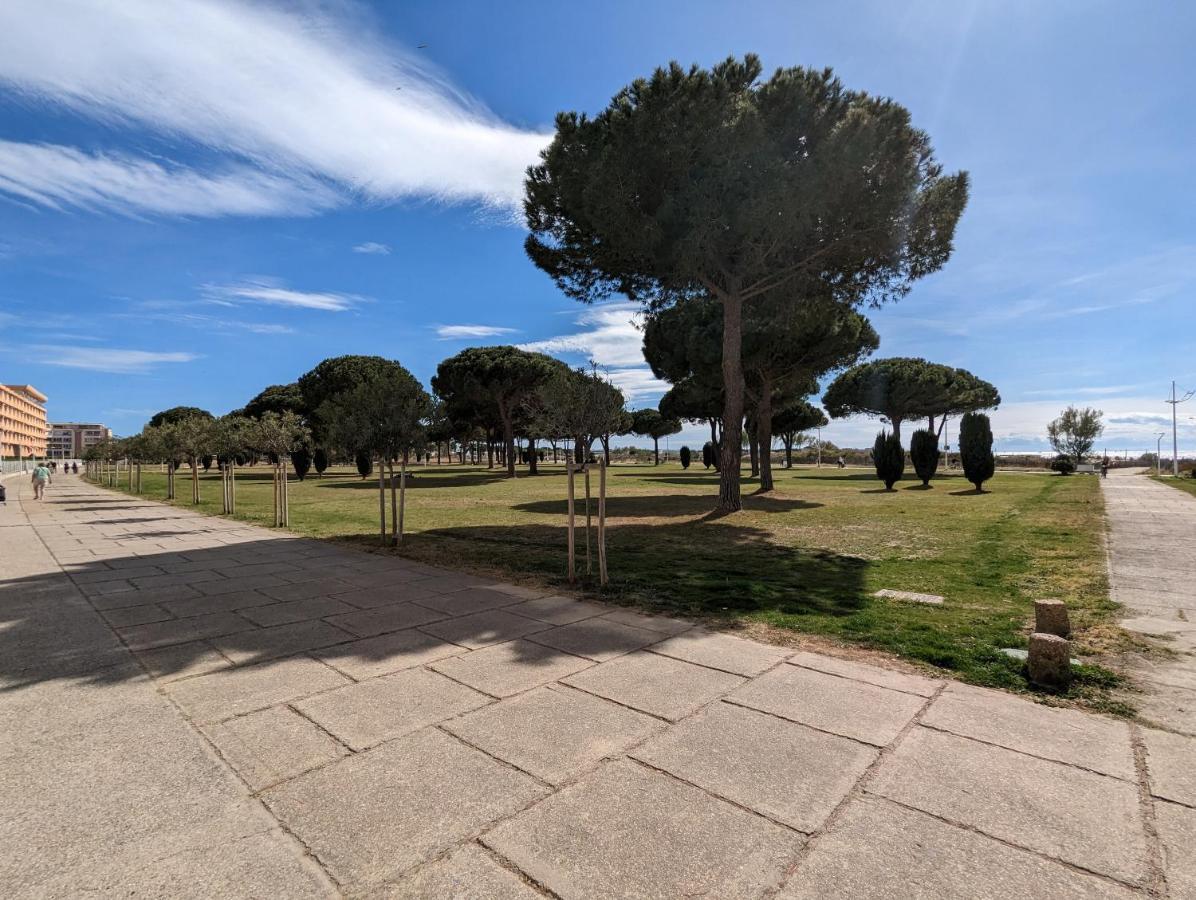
pixel 313 99
pixel 58 177
pixel 106 359
pixel 458 332
pixel 273 293
pixel 373 247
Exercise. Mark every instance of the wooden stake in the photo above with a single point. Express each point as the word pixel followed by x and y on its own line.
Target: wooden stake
pixel 382 496
pixel 572 539
pixel 394 508
pixel 602 577
pixel 586 468
pixel 402 495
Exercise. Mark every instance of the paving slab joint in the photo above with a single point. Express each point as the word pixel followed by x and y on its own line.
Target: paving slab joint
pixel 1156 870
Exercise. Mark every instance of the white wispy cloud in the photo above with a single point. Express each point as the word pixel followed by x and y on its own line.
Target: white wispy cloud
pixel 274 293
pixel 305 93
pixel 105 359
pixel 57 177
pixel 609 334
pixel 211 323
pixel 373 247
pixel 455 332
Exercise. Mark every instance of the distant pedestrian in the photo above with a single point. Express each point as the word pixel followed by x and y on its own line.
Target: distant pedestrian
pixel 842 463
pixel 41 478
pixel 1104 467
pixel 74 468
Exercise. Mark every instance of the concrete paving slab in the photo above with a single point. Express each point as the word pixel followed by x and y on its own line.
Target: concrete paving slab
pixel 841 706
pixel 237 585
pixel 1089 820
pixel 506 669
pixel 302 590
pixel 222 695
pixel 558 610
pixel 722 651
pixel 626 831
pixel 247 647
pixel 1176 827
pixel 136 615
pixel 519 591
pixel 285 613
pixel 857 671
pixel 1064 735
pixel 376 597
pixel 382 709
pixel 664 687
pixel 881 851
pixel 446 582
pixel 346 812
pixel 598 639
pixel 182 660
pixel 484 628
pixel 197 605
pixel 555 734
pixel 661 624
pixel 181 631
pixel 787 772
pixel 162 596
pixel 1171 764
pixel 383 619
pixel 467 602
pixel 272 745
pixel 386 653
pixel 469 873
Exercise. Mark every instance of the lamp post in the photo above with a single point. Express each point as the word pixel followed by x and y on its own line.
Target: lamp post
pixel 820 446
pixel 1174 439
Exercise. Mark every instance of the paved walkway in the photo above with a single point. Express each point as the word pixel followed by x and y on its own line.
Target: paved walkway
pixel 196 707
pixel 1152 563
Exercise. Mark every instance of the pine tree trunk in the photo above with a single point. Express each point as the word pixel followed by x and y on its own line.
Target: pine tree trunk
pixel 764 436
pixel 729 499
pixel 656 451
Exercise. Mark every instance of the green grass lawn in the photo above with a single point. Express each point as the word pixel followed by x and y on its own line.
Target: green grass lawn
pixel 1184 483
pixel 806 558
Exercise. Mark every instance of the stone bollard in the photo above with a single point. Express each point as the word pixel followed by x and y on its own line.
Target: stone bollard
pixel 1050 660
pixel 1050 617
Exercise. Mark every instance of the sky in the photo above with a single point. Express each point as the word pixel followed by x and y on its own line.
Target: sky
pixel 199 198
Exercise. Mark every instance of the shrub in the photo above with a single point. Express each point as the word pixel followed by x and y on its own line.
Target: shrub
pixel 365 464
pixel 924 453
pixel 976 448
pixel 319 460
pixel 708 455
pixel 1064 465
pixel 206 461
pixel 889 458
pixel 301 462
pixel 685 457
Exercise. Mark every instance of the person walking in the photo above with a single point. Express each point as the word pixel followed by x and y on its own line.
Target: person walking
pixel 41 477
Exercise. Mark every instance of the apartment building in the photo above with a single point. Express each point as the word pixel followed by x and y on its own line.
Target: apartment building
pixel 22 421
pixel 70 440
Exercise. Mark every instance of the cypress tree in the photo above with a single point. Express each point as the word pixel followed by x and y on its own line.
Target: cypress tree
pixel 976 448
pixel 924 452
pixel 365 463
pixel 707 455
pixel 320 460
pixel 889 458
pixel 685 457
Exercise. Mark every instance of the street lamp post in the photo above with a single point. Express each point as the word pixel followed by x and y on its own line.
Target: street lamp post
pixel 1174 439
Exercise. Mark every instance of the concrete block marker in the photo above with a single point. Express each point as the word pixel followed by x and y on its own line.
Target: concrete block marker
pixel 1050 617
pixel 909 596
pixel 1050 660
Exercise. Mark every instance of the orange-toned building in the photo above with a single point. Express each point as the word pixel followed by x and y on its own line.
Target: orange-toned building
pixel 22 421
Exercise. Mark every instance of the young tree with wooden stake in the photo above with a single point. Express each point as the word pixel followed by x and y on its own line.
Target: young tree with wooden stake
pixel 719 183
pixel 230 437
pixel 386 415
pixel 277 434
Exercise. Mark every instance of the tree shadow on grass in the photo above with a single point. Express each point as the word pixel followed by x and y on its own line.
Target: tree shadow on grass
pixel 707 567
pixel 664 506
pixel 419 480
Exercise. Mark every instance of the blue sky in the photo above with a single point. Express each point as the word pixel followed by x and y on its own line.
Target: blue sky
pixel 198 199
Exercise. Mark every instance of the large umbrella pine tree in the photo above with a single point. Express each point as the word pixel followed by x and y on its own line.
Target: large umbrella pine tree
pixel 722 183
